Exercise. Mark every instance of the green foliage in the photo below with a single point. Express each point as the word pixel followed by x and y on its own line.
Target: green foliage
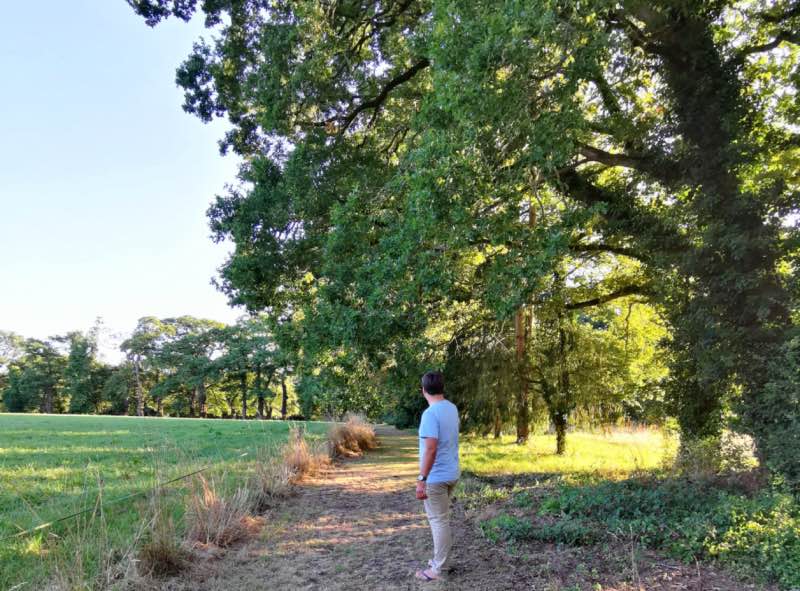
pixel 84 376
pixel 35 378
pixel 781 396
pixel 431 168
pixel 510 528
pixel 757 537
pixel 507 528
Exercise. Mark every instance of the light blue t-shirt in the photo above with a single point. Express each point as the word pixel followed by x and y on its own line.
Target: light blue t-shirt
pixel 440 421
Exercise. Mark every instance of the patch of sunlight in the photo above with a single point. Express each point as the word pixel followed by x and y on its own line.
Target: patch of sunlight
pixel 613 455
pixel 34 546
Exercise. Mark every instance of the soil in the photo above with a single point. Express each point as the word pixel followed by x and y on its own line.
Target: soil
pixel 359 526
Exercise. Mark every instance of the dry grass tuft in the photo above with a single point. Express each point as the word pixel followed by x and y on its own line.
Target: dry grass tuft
pixel 271 481
pixel 352 438
pixel 302 459
pixel 214 519
pixel 161 554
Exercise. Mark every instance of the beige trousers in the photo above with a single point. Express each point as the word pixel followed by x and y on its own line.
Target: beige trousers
pixel 437 508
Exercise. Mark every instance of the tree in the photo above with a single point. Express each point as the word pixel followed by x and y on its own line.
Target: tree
pixel 248 348
pixel 81 388
pixel 35 379
pixel 190 353
pixel 119 389
pixel 140 349
pixel 395 152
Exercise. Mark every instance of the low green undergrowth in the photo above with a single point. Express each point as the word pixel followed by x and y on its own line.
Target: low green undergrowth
pixel 756 537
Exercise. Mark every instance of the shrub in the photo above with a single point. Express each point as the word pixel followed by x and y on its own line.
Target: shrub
pixel 508 528
pixel 758 537
pixel 779 410
pixel 711 456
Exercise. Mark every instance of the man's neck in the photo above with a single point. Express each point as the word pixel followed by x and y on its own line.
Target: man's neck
pixel 433 399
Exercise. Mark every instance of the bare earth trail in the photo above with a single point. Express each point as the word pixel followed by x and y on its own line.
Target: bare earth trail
pixel 360 527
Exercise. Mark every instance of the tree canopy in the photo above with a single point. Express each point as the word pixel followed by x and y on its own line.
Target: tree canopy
pixel 418 170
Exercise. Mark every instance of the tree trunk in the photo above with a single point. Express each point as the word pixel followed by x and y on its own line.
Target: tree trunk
pixel 498 424
pixel 243 385
pixel 565 395
pixel 523 414
pixel 47 400
pixel 737 290
pixel 522 326
pixel 160 399
pixel 259 393
pixel 192 398
pixel 201 398
pixel 139 394
pixel 284 398
pixel 560 423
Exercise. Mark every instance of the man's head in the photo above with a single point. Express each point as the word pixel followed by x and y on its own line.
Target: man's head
pixel 433 383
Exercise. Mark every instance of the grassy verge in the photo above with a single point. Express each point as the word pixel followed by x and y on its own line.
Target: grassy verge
pixel 590 501
pixel 51 466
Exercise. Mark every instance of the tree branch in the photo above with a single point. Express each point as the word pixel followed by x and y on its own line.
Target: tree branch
pixel 597 155
pixel 377 101
pixel 628 290
pixel 778 18
pixel 662 170
pixel 787 36
pixel 600 247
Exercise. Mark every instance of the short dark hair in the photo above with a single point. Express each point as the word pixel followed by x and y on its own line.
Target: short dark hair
pixel 433 383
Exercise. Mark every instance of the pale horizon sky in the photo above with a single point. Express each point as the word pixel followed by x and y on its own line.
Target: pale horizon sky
pixel 104 180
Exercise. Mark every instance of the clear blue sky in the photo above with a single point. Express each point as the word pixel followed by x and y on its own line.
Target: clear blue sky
pixel 104 180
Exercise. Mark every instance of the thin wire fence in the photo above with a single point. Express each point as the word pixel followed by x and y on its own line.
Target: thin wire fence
pixel 116 501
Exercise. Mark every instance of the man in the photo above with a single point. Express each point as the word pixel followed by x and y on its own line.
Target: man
pixel 438 469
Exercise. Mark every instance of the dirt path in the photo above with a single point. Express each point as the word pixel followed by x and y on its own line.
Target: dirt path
pixel 360 527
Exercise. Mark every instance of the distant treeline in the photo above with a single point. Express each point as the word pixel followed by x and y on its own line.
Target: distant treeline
pixel 186 366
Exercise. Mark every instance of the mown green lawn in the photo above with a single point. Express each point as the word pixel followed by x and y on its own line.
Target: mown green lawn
pixel 52 465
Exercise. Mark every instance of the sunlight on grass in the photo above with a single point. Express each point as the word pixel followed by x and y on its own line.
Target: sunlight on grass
pixel 51 466
pixel 613 455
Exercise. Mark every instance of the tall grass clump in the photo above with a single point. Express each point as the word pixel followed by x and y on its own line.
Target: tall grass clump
pixel 86 555
pixel 271 480
pixel 212 518
pixel 161 553
pixel 302 458
pixel 352 438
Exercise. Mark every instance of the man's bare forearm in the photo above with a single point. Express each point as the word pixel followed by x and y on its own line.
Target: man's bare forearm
pixel 427 461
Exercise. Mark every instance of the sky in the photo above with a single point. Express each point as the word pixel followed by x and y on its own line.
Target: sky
pixel 104 180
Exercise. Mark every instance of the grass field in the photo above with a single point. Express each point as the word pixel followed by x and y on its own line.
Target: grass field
pixel 614 455
pixel 51 466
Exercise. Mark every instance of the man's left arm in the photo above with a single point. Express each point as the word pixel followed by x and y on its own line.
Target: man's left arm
pixel 428 457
